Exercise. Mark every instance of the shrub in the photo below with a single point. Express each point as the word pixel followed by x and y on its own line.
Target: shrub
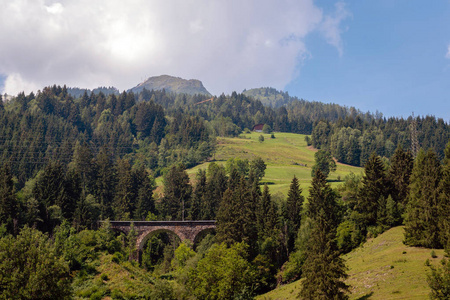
pixel 117 257
pixel 439 281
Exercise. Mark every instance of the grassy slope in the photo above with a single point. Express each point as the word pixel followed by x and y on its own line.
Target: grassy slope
pixel 286 155
pixel 383 268
pixel 125 279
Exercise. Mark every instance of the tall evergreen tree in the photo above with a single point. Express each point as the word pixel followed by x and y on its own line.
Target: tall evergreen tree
pixel 83 164
pixel 267 215
pixel 399 175
pixel 177 193
pixel 444 199
pixel 105 183
pixel 8 203
pixel 216 185
pixel 235 220
pixel 144 202
pixel 373 192
pixel 198 206
pixel 294 206
pixel 422 211
pixel 49 190
pixel 123 204
pixel 324 270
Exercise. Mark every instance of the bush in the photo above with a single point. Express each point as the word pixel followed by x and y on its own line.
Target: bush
pixel 348 236
pixel 30 268
pixel 261 138
pixel 439 281
pixel 117 257
pixel 267 129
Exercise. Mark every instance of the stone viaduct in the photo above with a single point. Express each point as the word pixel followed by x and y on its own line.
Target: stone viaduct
pixel 185 230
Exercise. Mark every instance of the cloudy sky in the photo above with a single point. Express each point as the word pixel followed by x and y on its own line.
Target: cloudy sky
pixel 386 55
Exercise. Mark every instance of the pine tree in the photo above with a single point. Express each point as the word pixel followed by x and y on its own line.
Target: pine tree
pixel 444 199
pixel 177 193
pixel 235 220
pixel 49 190
pixel 144 202
pixel 267 215
pixel 105 183
pixel 422 211
pixel 294 206
pixel 125 195
pixel 82 163
pixel 8 202
pixel 198 205
pixel 399 174
pixel 324 270
pixel 216 185
pixel 374 188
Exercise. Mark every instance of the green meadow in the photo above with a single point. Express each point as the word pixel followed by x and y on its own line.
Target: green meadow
pixel 285 155
pixel 383 268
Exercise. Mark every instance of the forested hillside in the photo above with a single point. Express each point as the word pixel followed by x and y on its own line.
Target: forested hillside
pixel 67 163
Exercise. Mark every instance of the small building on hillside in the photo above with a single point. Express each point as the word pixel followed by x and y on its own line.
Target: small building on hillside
pixel 258 128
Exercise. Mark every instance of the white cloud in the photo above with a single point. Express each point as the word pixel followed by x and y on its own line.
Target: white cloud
pixel 331 29
pixel 14 82
pixel 448 52
pixel 229 45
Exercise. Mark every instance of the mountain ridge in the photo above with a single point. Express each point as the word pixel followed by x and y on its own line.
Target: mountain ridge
pixel 173 84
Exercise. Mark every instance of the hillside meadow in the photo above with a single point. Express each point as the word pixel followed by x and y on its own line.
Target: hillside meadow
pixel 285 155
pixel 382 268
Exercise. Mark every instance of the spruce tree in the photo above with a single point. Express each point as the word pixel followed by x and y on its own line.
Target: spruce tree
pixel 177 193
pixel 144 186
pixel 48 190
pixel 216 185
pixel 105 181
pixel 267 215
pixel 8 202
pixel 444 199
pixel 198 206
pixel 294 205
pixel 399 174
pixel 324 270
pixel 373 190
pixel 124 197
pixel 422 211
pixel 235 220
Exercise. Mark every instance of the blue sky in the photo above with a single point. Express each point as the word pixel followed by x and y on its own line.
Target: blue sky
pixel 393 60
pixel 387 55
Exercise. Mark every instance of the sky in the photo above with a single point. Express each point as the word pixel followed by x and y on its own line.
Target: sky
pixel 391 56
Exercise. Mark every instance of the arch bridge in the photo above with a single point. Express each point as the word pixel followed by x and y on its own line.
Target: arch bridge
pixel 185 230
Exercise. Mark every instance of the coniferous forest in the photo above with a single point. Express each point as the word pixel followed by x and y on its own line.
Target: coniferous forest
pixel 70 160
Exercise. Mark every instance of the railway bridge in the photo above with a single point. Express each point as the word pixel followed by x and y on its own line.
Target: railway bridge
pixel 185 230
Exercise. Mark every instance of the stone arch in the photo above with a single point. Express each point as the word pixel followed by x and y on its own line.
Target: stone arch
pixel 202 233
pixel 143 237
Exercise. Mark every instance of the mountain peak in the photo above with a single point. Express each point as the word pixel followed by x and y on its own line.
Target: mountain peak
pixel 172 84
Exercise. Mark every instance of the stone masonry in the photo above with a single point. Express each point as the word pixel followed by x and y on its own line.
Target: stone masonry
pixel 185 230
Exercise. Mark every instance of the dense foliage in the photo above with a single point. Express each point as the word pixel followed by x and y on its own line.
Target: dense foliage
pixel 67 163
